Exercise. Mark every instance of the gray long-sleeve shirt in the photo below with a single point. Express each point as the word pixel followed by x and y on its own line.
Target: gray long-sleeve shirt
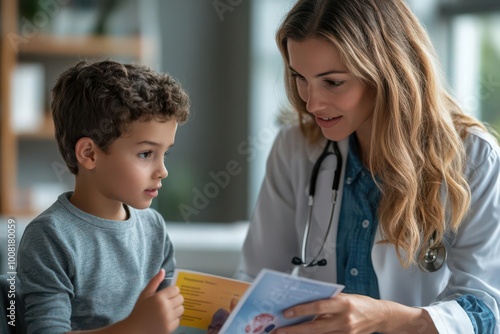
pixel 78 271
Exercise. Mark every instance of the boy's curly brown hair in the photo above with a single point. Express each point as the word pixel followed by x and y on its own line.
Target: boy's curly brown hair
pixel 100 99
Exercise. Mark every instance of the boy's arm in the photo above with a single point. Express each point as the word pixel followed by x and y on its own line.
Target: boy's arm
pixel 45 286
pixel 43 266
pixel 154 312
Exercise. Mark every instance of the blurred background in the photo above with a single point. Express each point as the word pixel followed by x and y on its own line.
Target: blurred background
pixel 223 52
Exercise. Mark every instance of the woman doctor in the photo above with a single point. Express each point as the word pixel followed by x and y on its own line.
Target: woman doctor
pixel 415 231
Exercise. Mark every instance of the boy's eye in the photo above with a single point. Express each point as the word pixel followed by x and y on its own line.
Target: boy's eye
pixel 145 155
pixel 165 155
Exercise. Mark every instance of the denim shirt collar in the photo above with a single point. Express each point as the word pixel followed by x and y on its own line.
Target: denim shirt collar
pixel 355 166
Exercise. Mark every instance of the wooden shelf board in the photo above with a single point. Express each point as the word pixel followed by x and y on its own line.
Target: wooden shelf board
pixel 41 134
pixel 22 212
pixel 83 46
pixel 46 131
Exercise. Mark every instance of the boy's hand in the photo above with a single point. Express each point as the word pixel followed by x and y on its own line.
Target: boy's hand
pixel 156 312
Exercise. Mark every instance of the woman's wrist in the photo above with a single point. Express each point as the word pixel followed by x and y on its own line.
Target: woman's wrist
pixel 400 318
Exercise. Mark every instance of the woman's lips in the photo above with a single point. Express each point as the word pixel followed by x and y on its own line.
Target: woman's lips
pixel 325 122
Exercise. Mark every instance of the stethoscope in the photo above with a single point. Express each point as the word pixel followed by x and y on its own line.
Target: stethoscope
pixel 312 190
pixel 432 261
pixel 434 257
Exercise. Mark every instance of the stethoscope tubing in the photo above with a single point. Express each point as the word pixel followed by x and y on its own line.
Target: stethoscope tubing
pixel 312 192
pixel 434 258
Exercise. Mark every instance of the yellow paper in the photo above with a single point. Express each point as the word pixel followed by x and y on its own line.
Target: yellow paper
pixel 208 300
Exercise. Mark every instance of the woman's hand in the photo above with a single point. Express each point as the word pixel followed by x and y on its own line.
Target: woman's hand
pixel 348 313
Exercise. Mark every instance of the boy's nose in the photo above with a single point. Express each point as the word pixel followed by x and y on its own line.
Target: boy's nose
pixel 162 172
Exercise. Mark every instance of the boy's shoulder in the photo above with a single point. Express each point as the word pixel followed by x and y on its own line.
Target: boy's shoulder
pixel 62 218
pixel 149 214
pixel 150 219
pixel 52 224
pixel 54 214
pixel 63 224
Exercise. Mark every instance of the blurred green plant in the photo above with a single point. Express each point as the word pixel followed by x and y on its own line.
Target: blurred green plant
pixel 28 8
pixel 489 72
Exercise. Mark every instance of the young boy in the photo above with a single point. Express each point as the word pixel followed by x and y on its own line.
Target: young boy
pixel 84 261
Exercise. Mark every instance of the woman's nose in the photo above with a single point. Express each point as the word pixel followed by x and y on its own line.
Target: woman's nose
pixel 315 101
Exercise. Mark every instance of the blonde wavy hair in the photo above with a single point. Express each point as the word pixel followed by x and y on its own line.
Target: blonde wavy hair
pixel 417 155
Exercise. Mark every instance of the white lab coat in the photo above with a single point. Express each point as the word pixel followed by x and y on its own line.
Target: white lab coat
pixel 473 265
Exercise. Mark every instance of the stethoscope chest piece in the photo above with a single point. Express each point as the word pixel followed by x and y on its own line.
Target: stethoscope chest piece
pixel 433 259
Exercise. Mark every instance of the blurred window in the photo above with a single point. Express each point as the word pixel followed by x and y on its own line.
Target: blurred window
pixel 475 57
pixel 267 97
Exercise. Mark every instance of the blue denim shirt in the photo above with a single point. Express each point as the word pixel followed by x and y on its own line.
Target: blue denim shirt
pixel 357 227
pixel 356 233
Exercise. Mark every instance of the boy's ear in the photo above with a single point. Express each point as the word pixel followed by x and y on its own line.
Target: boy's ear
pixel 85 151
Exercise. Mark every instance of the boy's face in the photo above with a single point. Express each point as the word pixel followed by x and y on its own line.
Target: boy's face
pixel 132 169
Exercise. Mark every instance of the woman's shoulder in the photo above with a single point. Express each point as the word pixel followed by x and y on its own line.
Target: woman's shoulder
pixel 291 133
pixel 291 138
pixel 481 147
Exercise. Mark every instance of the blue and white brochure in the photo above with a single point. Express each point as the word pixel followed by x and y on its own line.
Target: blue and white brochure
pixel 260 309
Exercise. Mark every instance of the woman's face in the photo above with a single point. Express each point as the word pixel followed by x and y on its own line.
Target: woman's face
pixel 340 103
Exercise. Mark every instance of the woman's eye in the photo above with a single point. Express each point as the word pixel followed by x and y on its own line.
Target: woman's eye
pixel 300 81
pixel 296 76
pixel 334 83
pixel 145 155
pixel 165 155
